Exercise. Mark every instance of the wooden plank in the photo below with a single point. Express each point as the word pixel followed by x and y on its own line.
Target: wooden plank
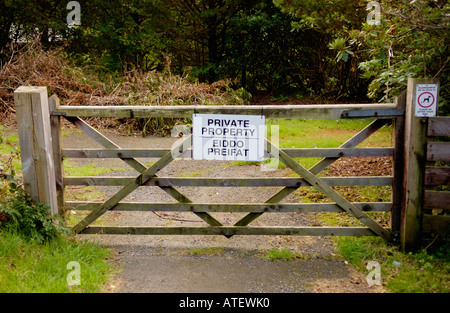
pixel 437 224
pixel 294 153
pixel 436 176
pixel 55 126
pixel 33 120
pixel 397 166
pixel 389 113
pixel 225 181
pixel 316 111
pixel 230 230
pixel 438 151
pixel 437 200
pixel 414 168
pixel 339 152
pixel 230 207
pixel 439 126
pixel 114 153
pixel 330 193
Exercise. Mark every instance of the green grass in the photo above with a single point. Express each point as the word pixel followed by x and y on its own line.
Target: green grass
pixel 421 272
pixel 28 267
pixel 71 169
pixel 297 133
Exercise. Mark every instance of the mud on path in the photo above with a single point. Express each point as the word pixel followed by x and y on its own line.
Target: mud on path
pixel 204 264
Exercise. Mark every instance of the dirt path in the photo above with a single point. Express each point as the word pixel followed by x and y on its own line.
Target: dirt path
pixel 213 263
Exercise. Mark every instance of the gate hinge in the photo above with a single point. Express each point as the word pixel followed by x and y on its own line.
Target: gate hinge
pixel 53 113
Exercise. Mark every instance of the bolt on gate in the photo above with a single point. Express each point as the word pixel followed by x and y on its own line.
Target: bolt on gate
pixel 40 134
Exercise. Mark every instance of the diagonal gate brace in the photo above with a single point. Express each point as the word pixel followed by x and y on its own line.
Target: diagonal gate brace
pixel 109 204
pixel 329 192
pixel 320 166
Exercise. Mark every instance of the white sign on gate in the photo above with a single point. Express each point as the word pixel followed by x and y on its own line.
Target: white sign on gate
pixel 228 137
pixel 426 100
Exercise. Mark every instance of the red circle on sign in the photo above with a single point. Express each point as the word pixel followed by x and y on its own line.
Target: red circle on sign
pixel 428 99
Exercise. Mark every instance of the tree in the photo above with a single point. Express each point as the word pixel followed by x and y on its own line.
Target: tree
pixel 199 29
pixel 412 40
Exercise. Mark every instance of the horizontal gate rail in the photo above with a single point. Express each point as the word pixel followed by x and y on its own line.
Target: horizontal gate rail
pixel 293 153
pixel 226 182
pixel 230 207
pixel 230 230
pixel 316 111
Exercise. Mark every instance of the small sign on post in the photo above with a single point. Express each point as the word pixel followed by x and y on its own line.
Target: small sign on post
pixel 426 100
pixel 228 137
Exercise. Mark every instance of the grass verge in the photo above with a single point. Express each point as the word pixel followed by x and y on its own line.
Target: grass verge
pixel 29 267
pixel 420 272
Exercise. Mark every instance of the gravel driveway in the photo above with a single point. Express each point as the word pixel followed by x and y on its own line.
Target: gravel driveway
pixel 184 264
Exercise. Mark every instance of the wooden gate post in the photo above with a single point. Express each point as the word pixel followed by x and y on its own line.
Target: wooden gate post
pixel 33 121
pixel 397 182
pixel 414 169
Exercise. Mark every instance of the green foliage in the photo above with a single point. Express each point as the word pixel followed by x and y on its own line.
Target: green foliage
pixel 412 41
pixel 19 214
pixel 424 271
pixel 30 267
pixel 262 51
pixel 282 47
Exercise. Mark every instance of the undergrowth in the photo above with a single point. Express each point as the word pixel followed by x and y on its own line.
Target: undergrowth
pixel 90 84
pixel 35 247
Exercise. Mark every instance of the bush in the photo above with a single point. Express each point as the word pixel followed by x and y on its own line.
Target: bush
pixel 20 215
pixel 90 84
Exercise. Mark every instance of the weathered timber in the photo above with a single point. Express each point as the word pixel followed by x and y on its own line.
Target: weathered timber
pixel 55 127
pixel 414 167
pixel 439 224
pixel 438 151
pixel 107 143
pixel 316 111
pixel 36 149
pixel 230 230
pixel 436 176
pixel 226 182
pixel 294 153
pixel 330 193
pixel 318 167
pixel 437 200
pixel 230 207
pixel 439 126
pixel 397 166
pixel 126 190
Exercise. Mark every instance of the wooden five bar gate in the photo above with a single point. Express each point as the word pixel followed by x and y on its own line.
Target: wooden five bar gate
pixel 42 158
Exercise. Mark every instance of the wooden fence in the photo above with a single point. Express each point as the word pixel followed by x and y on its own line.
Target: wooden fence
pixel 40 134
pixel 436 201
